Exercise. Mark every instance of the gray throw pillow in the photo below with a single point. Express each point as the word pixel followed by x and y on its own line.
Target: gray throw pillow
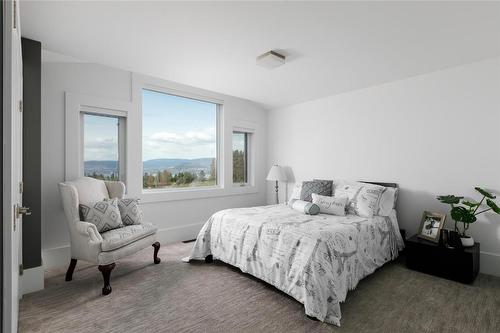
pixel 321 187
pixel 104 214
pixel 130 211
pixel 329 185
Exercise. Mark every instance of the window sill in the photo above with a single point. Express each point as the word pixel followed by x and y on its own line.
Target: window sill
pixel 151 196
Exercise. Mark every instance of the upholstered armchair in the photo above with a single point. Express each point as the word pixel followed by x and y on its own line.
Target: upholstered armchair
pixel 104 248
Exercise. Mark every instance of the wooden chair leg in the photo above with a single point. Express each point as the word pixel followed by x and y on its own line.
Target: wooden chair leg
pixel 71 269
pixel 156 246
pixel 106 273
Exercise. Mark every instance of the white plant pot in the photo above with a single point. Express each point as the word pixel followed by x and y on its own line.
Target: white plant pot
pixel 467 241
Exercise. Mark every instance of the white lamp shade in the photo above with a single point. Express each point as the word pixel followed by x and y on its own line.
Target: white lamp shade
pixel 276 174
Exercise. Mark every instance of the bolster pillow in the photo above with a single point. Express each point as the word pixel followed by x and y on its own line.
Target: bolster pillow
pixel 305 207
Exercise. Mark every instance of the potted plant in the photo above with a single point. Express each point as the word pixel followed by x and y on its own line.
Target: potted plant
pixel 465 212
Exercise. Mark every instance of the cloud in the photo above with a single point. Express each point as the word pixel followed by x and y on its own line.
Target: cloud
pixel 187 138
pixel 101 149
pixel 191 144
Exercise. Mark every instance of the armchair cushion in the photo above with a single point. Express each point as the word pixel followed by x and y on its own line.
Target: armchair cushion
pixel 117 238
pixel 104 214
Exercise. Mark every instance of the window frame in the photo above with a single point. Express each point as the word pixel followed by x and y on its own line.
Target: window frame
pixel 250 130
pixel 218 141
pixel 248 155
pixel 76 105
pixel 135 170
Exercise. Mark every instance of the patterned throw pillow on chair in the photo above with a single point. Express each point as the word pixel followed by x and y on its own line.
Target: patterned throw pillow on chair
pixel 130 211
pixel 104 214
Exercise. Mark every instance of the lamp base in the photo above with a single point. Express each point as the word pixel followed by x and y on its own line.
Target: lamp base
pixel 276 188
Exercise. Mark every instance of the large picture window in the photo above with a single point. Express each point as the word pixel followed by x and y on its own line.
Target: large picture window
pixel 179 141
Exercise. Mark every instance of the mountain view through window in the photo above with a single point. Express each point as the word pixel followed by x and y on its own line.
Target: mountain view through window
pixel 100 147
pixel 179 141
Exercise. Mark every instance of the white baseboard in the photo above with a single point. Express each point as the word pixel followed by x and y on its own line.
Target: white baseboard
pixel 60 256
pixel 32 280
pixel 490 263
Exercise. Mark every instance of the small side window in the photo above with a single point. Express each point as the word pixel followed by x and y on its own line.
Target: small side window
pixel 240 157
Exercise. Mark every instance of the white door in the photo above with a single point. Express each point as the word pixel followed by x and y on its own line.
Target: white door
pixel 12 162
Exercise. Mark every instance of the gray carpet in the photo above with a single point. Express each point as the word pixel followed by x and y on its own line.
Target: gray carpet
pixel 179 297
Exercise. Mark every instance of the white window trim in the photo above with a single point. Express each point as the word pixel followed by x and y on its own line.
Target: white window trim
pixel 75 106
pixel 224 169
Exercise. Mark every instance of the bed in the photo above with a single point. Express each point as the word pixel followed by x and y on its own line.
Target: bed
pixel 315 259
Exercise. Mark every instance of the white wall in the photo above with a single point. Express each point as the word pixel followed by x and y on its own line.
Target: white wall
pixel 436 133
pixel 177 220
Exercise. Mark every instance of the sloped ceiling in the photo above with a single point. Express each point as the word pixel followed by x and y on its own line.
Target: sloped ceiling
pixel 331 47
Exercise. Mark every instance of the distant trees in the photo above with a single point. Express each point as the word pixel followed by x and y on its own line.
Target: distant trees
pixel 110 177
pixel 165 178
pixel 239 173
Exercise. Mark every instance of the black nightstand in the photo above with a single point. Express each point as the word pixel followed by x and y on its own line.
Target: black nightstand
pixel 460 265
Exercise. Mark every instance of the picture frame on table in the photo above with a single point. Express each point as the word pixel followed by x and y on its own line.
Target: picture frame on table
pixel 431 225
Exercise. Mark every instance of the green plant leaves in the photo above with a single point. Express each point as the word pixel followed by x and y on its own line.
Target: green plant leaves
pixel 461 214
pixel 485 193
pixel 493 206
pixel 470 203
pixel 449 199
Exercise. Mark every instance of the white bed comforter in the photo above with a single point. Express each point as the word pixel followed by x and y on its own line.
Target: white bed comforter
pixel 315 259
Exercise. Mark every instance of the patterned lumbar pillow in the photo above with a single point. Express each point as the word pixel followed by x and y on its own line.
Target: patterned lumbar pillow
pixel 363 199
pixel 330 205
pixel 304 206
pixel 130 211
pixel 104 214
pixel 321 187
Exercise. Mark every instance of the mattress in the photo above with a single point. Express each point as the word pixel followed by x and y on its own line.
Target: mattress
pixel 315 259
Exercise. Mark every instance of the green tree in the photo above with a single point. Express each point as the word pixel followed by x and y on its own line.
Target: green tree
pixel 213 171
pixel 238 166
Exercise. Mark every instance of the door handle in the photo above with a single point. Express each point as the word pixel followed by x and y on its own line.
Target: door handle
pixel 20 210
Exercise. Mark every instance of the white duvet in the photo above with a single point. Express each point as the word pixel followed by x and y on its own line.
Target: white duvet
pixel 315 259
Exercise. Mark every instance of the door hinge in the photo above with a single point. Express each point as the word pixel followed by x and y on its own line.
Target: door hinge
pixel 21 187
pixel 14 12
pixel 21 269
pixel 14 216
pixel 20 106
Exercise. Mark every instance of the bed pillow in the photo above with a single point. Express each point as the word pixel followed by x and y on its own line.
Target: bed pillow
pixel 329 186
pixel 387 201
pixel 104 214
pixel 130 211
pixel 321 187
pixel 330 205
pixel 304 207
pixel 363 198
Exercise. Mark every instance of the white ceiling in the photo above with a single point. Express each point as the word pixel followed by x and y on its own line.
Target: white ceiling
pixel 331 47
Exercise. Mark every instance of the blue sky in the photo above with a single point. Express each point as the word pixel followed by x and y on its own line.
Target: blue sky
pixel 173 127
pixel 177 127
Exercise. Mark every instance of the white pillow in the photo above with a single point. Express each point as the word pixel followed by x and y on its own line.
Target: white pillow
pixel 387 201
pixel 363 198
pixel 330 205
